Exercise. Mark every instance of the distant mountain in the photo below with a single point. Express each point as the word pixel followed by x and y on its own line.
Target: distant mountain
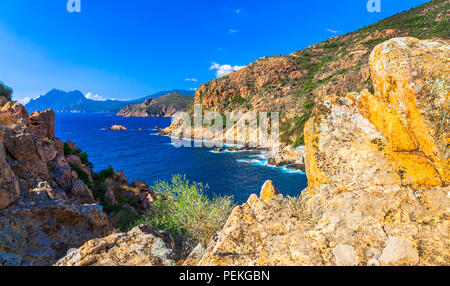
pixel 163 106
pixel 75 101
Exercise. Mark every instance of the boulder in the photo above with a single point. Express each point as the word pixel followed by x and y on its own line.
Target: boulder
pixel 142 246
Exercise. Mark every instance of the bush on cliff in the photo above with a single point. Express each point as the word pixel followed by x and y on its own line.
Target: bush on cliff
pixel 5 91
pixel 183 209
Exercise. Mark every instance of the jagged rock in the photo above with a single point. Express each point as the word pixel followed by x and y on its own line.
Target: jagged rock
pixel 9 187
pixel 13 112
pixel 142 246
pixel 22 147
pixel 41 231
pixel 63 177
pixel 377 168
pixel 59 146
pixel 39 221
pixel 43 124
pixel 81 193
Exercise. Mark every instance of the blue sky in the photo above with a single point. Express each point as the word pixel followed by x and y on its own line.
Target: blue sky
pixel 133 48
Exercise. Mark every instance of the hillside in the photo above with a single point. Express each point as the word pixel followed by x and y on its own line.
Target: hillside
pixel 294 84
pixel 164 106
pixel 75 101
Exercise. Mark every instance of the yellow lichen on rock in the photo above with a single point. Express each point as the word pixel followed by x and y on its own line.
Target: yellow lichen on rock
pixel 268 191
pixel 411 79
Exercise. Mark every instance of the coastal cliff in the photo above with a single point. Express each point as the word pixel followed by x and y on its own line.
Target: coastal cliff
pixel 45 209
pixel 377 167
pixel 293 85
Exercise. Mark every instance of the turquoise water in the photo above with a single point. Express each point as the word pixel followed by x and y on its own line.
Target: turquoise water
pixel 144 155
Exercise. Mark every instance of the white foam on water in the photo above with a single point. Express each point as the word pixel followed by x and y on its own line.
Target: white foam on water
pixel 265 163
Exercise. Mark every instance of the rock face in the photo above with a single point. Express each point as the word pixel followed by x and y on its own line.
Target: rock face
pixel 142 246
pixel 377 167
pixel 9 187
pixel 45 209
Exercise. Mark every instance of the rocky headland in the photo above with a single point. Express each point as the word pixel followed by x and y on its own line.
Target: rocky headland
pixel 164 106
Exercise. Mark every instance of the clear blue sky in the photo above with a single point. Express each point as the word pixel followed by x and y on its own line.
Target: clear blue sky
pixel 133 48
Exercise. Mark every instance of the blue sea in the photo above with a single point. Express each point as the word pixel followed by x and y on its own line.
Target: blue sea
pixel 144 155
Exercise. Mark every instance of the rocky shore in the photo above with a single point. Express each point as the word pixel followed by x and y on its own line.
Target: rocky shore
pixel 288 156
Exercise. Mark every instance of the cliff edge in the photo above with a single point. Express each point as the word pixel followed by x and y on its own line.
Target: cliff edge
pixel 377 167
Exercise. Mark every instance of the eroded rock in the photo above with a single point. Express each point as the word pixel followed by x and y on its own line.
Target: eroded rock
pixel 142 246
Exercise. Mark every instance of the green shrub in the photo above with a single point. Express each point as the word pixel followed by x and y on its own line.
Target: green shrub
pixel 82 175
pixel 82 155
pixel 6 91
pixel 187 213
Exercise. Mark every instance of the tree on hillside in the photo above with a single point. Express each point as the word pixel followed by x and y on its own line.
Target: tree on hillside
pixel 5 91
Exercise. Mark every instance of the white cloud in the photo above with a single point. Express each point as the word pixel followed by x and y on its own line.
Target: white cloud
pixel 193 88
pixel 238 11
pixel 23 100
pixel 334 31
pixel 232 31
pixel 191 79
pixel 222 70
pixel 95 97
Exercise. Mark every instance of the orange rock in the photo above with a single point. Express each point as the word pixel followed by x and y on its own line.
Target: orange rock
pixel 268 191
